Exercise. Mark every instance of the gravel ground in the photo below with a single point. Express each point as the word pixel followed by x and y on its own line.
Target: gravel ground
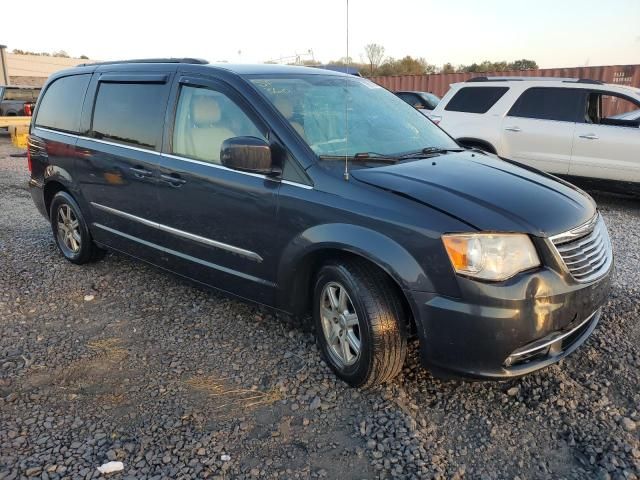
pixel 120 361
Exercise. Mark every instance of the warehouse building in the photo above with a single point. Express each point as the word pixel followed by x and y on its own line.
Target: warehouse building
pixel 32 70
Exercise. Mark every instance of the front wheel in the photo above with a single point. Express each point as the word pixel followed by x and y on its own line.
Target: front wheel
pixel 359 322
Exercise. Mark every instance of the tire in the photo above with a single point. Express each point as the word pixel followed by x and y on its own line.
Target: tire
pixel 70 230
pixel 380 325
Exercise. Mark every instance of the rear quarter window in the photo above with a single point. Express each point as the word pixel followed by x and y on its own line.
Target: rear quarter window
pixel 130 113
pixel 548 103
pixel 475 99
pixel 61 105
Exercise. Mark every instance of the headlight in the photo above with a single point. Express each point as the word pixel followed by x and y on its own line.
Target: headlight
pixel 490 256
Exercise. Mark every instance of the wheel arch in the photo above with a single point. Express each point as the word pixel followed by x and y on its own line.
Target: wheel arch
pixel 305 254
pixel 50 189
pixel 56 179
pixel 477 142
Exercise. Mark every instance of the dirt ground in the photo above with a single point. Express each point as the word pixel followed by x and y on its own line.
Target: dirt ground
pixel 117 360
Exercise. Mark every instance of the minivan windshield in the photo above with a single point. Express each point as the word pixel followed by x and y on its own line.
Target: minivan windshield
pixel 347 115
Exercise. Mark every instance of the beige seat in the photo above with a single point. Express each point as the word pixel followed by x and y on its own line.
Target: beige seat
pixel 286 108
pixel 205 133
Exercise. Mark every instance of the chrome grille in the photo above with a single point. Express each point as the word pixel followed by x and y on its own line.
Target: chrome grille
pixel 585 250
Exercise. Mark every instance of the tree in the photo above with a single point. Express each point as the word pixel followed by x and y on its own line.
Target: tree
pixel 61 53
pixel 488 66
pixel 406 66
pixel 342 61
pixel 375 55
pixel 448 68
pixel 84 57
pixel 523 64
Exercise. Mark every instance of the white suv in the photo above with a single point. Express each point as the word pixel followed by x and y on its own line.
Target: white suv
pixel 569 127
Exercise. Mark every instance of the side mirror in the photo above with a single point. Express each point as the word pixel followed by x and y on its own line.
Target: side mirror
pixel 248 154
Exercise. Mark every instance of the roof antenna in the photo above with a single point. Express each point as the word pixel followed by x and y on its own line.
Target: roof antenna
pixel 346 107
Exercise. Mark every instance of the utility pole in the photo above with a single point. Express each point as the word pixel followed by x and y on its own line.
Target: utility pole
pixel 4 69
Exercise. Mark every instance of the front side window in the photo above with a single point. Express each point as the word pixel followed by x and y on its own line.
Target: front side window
pixel 475 99
pixel 204 119
pixel 130 113
pixel 610 109
pixel 346 115
pixel 548 103
pixel 61 105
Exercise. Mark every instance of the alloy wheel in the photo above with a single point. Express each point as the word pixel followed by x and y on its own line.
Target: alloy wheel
pixel 340 324
pixel 68 229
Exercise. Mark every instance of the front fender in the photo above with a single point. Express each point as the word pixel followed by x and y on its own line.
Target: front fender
pixel 369 244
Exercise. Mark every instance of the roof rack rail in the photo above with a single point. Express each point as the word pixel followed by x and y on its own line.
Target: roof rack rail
pixel 197 61
pixel 589 80
pixel 514 78
pixel 492 79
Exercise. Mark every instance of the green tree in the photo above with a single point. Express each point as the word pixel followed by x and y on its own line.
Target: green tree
pixel 448 68
pixel 488 66
pixel 523 64
pixel 406 66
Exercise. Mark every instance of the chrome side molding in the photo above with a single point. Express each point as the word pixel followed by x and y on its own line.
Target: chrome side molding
pixel 181 233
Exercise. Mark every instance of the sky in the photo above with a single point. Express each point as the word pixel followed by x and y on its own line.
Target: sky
pixel 555 33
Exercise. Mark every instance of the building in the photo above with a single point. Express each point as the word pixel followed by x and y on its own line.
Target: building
pixel 32 69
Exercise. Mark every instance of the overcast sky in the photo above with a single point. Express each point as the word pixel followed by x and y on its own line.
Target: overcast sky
pixel 555 33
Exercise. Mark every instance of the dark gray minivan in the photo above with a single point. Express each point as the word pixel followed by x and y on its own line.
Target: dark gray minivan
pixel 322 194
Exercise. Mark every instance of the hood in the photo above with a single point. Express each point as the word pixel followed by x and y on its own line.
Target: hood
pixel 486 192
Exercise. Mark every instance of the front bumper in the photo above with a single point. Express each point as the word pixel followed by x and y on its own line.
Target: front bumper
pixel 506 330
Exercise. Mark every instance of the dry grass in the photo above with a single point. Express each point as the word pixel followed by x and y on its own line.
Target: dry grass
pixel 232 396
pixel 109 349
pixel 113 399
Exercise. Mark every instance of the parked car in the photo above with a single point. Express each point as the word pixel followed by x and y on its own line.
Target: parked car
pixel 17 101
pixel 423 101
pixel 568 127
pixel 257 181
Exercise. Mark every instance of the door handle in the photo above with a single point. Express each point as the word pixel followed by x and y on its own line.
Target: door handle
pixel 141 172
pixel 513 129
pixel 173 179
pixel 590 136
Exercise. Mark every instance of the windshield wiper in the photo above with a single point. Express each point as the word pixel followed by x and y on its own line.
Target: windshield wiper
pixel 428 151
pixel 382 157
pixel 362 157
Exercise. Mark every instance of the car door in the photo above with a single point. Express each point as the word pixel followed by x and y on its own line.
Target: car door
pixel 606 147
pixel 221 222
pixel 538 129
pixel 118 157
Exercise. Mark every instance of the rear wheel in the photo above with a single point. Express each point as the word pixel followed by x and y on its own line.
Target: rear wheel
pixel 359 322
pixel 70 230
